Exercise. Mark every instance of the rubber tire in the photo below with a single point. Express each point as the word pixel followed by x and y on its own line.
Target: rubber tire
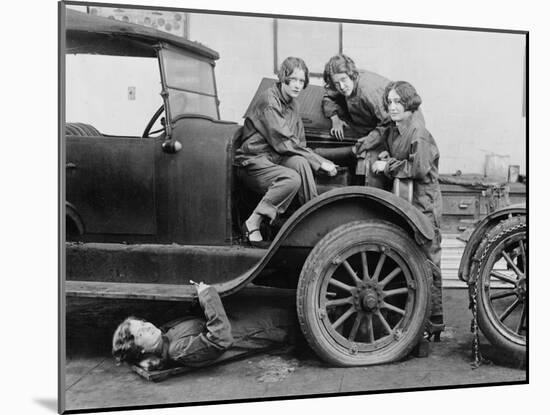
pixel 505 229
pixel 320 258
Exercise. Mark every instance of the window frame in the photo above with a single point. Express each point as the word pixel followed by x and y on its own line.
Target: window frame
pixel 162 58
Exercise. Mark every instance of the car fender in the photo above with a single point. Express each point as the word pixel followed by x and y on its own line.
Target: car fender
pixel 316 218
pixel 341 205
pixel 482 228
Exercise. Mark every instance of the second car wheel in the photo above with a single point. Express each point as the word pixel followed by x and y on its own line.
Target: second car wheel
pixel 501 282
pixel 364 294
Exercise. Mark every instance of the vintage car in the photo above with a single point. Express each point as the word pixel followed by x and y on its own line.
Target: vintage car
pixel 494 264
pixel 146 214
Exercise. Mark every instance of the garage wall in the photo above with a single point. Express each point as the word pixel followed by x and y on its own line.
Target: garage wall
pixel 246 49
pixel 118 113
pixel 245 45
pixel 471 82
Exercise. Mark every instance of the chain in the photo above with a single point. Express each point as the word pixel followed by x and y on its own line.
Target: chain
pixel 475 328
pixel 478 358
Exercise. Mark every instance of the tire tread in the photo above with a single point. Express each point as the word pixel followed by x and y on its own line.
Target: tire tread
pixel 496 234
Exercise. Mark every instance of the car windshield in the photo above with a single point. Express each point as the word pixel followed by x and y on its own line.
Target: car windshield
pixel 190 83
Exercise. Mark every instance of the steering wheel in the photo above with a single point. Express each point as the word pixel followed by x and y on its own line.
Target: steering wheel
pixel 147 132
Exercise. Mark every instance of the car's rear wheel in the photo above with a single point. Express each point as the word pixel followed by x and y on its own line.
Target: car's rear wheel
pixel 364 294
pixel 502 286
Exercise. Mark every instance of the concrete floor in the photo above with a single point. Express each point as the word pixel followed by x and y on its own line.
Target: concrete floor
pixel 94 381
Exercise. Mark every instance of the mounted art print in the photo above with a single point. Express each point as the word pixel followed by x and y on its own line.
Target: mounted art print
pixel 270 207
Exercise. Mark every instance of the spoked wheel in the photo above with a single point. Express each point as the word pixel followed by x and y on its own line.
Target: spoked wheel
pixel 502 286
pixel 364 294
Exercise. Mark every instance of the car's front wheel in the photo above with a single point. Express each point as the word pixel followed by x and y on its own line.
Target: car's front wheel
pixel 364 294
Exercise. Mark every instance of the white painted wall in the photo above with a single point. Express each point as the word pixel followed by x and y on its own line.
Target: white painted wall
pixel 471 82
pixel 245 45
pixel 98 95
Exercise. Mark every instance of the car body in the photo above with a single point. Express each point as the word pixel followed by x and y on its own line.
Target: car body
pixel 482 228
pixel 145 214
pixel 127 191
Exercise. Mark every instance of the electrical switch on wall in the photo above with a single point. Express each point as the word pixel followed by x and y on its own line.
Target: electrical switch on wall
pixel 131 93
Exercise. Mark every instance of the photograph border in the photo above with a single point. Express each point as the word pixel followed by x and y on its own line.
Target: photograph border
pixel 62 181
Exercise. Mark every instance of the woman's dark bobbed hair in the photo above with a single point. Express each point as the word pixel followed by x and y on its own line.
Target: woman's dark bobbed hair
pixel 288 66
pixel 409 97
pixel 339 64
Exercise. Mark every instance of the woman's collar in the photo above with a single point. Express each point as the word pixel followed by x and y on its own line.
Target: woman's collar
pixel 278 88
pixel 404 125
pixel 165 345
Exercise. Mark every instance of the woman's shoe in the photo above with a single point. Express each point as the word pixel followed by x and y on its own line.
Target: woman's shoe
pixel 434 327
pixel 246 235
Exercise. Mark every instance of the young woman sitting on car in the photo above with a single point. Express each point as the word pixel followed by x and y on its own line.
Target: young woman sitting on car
pixel 273 159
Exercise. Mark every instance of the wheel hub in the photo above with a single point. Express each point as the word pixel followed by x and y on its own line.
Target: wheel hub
pixel 367 299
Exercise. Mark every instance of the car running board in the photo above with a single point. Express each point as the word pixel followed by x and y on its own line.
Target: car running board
pixel 163 292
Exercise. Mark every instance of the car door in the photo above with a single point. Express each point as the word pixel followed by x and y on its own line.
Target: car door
pixel 110 182
pixel 112 91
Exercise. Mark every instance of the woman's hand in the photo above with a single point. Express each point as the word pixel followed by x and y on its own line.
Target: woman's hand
pixel 360 145
pixel 329 167
pixel 337 129
pixel 200 286
pixel 384 155
pixel 379 166
pixel 151 363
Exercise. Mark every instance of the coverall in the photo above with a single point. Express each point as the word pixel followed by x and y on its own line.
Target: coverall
pixel 273 159
pixel 197 341
pixel 414 155
pixel 363 109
